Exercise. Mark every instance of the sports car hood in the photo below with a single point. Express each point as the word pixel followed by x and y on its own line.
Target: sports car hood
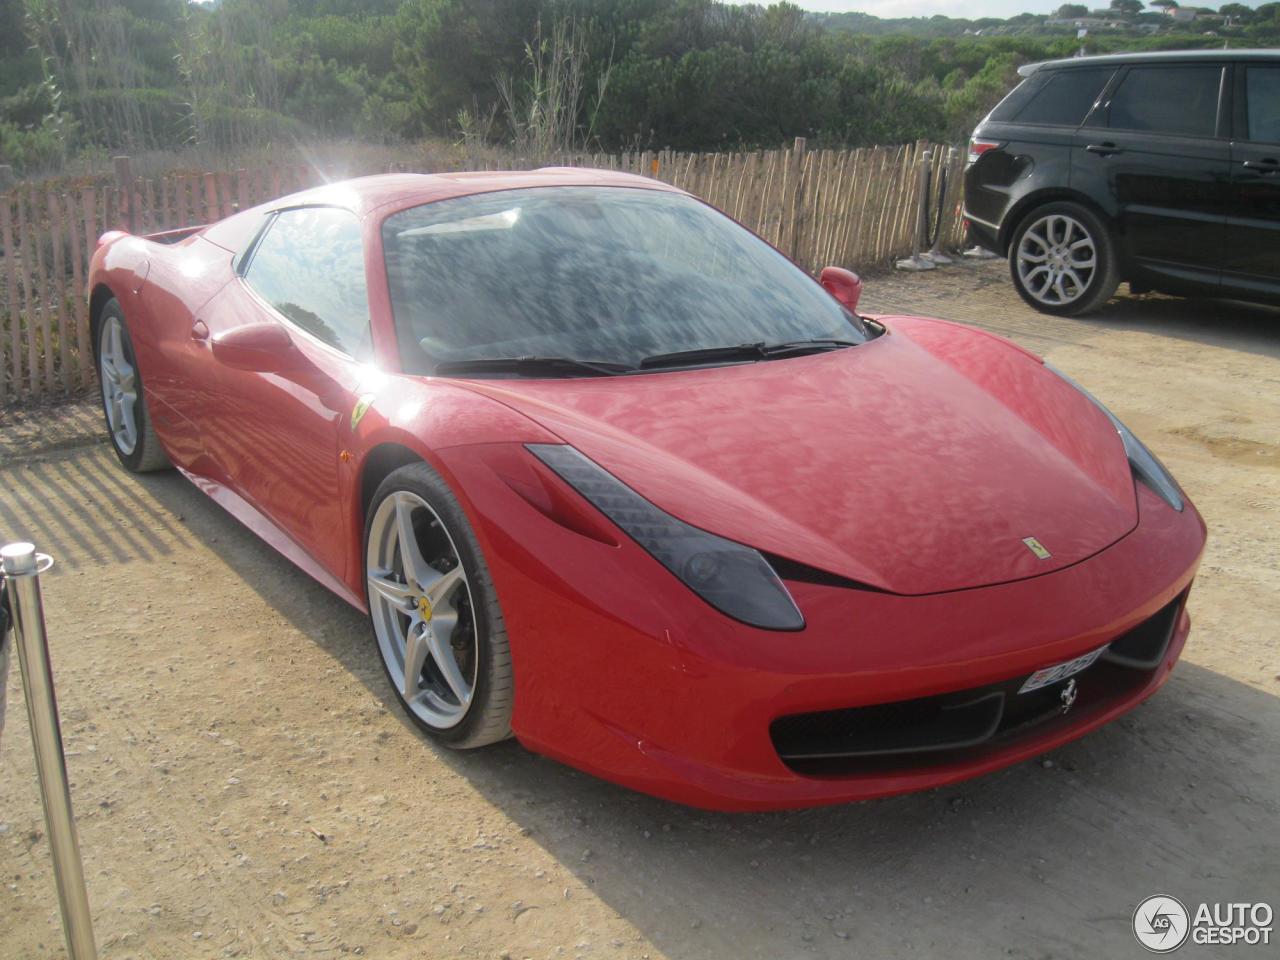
pixel 915 463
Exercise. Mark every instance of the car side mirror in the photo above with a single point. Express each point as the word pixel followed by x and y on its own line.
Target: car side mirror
pixel 844 285
pixel 259 347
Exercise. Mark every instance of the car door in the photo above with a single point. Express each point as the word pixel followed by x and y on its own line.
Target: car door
pixel 1251 257
pixel 1158 151
pixel 275 435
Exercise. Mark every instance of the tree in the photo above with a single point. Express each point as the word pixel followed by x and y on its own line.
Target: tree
pixel 1126 8
pixel 1166 4
pixel 449 52
pixel 1236 12
pixel 1071 11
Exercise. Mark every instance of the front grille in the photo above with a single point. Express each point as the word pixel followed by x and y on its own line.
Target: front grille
pixel 939 728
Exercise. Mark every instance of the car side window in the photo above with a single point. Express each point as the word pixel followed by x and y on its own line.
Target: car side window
pixel 309 265
pixel 1066 98
pixel 1262 94
pixel 1179 100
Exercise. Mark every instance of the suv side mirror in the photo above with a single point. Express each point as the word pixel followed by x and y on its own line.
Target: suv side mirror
pixel 259 347
pixel 844 285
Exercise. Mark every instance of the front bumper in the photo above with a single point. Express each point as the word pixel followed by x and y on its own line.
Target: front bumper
pixel 622 672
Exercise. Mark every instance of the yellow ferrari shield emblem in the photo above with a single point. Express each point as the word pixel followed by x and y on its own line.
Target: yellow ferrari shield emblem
pixel 424 608
pixel 1036 547
pixel 360 409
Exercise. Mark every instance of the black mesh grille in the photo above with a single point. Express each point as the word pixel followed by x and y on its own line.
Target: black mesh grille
pixel 911 732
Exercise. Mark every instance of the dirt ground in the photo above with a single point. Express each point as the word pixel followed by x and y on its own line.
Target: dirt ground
pixel 245 786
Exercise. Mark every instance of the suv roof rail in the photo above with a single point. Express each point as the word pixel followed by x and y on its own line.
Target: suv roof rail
pixel 1161 56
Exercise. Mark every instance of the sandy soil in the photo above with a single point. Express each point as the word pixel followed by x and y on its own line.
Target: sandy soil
pixel 245 787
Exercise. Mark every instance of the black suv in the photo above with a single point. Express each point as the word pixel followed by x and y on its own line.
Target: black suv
pixel 1162 169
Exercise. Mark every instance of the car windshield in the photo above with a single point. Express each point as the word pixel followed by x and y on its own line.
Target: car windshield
pixel 606 274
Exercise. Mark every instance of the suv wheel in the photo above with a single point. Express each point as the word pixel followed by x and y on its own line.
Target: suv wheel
pixel 1063 260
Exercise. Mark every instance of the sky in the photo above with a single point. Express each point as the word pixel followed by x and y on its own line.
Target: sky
pixel 972 9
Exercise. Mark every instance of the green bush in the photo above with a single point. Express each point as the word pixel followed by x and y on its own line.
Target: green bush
pixel 31 150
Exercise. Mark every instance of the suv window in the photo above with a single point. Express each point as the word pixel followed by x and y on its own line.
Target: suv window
pixel 1066 97
pixel 1018 97
pixel 1174 99
pixel 310 267
pixel 1262 93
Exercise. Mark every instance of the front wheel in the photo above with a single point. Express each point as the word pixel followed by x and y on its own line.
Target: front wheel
pixel 1063 260
pixel 435 614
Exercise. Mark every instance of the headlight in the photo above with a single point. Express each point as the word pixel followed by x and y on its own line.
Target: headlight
pixel 733 578
pixel 1146 467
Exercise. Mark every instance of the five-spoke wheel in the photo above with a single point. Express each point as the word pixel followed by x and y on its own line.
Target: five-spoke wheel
pixel 123 396
pixel 433 612
pixel 119 385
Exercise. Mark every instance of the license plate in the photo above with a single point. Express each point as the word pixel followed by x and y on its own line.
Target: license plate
pixel 1060 671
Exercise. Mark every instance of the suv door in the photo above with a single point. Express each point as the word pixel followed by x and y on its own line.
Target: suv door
pixel 1158 149
pixel 1251 257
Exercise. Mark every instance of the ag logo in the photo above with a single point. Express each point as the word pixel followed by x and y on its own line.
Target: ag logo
pixel 1161 923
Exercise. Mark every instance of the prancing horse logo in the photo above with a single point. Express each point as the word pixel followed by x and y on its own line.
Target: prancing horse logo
pixel 1036 547
pixel 1068 695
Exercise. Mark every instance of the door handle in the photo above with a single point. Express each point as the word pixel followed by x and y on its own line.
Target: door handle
pixel 1266 164
pixel 199 331
pixel 1104 149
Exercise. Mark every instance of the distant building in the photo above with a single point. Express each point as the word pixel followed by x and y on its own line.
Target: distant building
pixel 1088 23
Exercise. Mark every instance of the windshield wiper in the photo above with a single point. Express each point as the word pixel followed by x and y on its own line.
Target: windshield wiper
pixel 531 365
pixel 744 351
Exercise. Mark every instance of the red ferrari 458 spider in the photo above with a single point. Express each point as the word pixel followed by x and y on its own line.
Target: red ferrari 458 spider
pixel 612 475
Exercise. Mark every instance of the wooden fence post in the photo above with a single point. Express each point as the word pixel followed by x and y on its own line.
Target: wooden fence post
pixel 63 323
pixel 210 198
pixel 796 199
pixel 124 186
pixel 11 296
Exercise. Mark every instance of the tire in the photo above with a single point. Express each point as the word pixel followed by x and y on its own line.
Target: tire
pixel 124 398
pixel 411 614
pixel 1047 260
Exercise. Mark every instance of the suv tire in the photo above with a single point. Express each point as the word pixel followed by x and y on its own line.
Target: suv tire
pixel 1063 259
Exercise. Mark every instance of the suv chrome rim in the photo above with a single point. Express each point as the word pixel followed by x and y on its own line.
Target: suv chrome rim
pixel 119 386
pixel 421 606
pixel 1056 260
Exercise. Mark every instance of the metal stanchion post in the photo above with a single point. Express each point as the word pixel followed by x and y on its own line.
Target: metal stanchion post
pixel 935 254
pixel 22 567
pixel 915 262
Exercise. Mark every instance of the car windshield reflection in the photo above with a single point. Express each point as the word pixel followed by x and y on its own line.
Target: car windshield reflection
pixel 609 275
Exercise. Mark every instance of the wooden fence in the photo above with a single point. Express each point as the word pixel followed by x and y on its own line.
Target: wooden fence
pixel 853 208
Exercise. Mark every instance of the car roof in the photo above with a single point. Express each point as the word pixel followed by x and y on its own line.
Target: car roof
pixel 398 191
pixel 1155 56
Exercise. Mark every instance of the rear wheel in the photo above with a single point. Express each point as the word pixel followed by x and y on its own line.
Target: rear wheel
pixel 435 614
pixel 124 401
pixel 1063 260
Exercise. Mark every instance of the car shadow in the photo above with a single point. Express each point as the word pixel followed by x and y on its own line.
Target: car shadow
pixel 1048 858
pixel 1248 327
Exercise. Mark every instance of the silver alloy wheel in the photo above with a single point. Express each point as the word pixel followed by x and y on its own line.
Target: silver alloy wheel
pixel 1056 259
pixel 119 385
pixel 421 607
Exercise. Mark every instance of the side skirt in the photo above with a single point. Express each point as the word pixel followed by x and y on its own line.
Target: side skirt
pixel 267 530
